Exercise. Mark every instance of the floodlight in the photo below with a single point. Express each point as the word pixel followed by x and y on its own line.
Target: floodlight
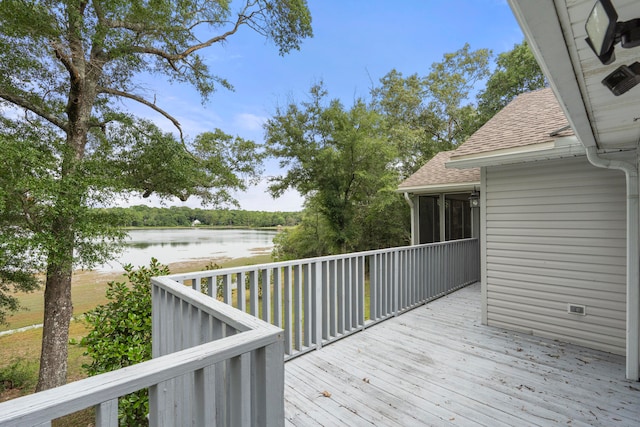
pixel 604 31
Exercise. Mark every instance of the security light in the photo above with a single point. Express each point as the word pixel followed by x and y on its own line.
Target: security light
pixel 623 78
pixel 604 31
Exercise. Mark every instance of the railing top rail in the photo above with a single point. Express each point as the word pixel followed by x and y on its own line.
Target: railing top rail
pixel 50 404
pixel 220 272
pixel 227 314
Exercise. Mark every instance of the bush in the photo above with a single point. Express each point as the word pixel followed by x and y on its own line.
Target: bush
pixel 20 374
pixel 121 334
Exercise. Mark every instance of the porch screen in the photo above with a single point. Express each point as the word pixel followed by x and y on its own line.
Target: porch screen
pixel 429 219
pixel 456 214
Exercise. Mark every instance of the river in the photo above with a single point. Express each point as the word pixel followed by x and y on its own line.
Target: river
pixel 188 244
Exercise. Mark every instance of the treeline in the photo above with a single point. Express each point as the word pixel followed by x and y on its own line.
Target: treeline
pixel 179 216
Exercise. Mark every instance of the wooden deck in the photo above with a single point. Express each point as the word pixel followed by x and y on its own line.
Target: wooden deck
pixel 438 365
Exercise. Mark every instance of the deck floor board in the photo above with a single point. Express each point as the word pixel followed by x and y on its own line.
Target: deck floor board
pixel 438 365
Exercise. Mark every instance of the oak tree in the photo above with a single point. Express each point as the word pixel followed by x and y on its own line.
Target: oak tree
pixel 64 65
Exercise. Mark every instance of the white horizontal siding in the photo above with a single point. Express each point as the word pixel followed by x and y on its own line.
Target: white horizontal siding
pixel 555 234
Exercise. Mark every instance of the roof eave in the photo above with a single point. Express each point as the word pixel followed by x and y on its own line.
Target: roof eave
pixel 440 188
pixel 541 25
pixel 564 147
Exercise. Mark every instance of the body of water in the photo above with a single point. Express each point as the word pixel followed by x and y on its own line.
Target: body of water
pixel 189 244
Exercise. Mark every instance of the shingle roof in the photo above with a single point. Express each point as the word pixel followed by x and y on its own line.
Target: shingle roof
pixel 528 119
pixel 434 173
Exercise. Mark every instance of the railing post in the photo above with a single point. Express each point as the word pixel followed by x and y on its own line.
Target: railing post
pixel 271 403
pixel 240 387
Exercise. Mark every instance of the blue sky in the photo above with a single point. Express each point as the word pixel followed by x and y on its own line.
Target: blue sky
pixel 355 43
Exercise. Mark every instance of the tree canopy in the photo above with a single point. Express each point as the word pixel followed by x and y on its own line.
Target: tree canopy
pixel 408 120
pixel 336 157
pixel 63 66
pixel 516 72
pixel 428 114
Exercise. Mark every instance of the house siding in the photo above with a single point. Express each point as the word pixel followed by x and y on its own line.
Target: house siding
pixel 555 234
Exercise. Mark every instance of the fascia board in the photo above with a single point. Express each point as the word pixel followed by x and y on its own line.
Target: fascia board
pixel 440 188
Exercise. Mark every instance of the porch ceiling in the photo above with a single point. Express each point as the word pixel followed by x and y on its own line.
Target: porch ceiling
pixel 556 33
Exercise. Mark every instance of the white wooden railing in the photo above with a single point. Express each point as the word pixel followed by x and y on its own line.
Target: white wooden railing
pixel 320 300
pixel 212 365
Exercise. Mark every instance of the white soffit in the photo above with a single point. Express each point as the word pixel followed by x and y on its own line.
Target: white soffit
pixel 555 31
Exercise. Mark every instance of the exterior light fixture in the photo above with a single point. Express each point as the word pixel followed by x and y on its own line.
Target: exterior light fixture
pixel 623 78
pixel 474 199
pixel 604 31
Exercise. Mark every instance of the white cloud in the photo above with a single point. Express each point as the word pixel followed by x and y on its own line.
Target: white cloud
pixel 248 121
pixel 257 198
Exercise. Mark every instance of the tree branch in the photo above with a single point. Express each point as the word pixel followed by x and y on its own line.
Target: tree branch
pixel 37 110
pixel 66 61
pixel 242 19
pixel 143 101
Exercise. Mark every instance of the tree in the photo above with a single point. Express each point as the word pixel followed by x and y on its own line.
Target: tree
pixel 516 72
pixel 62 65
pixel 337 158
pixel 425 115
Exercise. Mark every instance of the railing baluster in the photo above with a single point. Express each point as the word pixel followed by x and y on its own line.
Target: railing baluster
pixel 107 414
pixel 361 290
pixel 288 324
pixel 333 298
pixel 308 314
pixel 277 297
pixel 347 289
pixel 266 295
pixel 212 290
pixel 240 292
pixel 227 295
pixel 340 296
pixel 373 286
pixel 326 303
pixel 253 294
pixel 297 307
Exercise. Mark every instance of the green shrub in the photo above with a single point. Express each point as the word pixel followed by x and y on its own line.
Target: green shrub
pixel 20 374
pixel 120 334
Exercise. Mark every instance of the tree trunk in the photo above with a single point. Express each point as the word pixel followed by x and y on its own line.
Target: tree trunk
pixel 58 310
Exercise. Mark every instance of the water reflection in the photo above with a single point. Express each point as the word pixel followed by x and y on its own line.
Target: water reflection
pixel 177 245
